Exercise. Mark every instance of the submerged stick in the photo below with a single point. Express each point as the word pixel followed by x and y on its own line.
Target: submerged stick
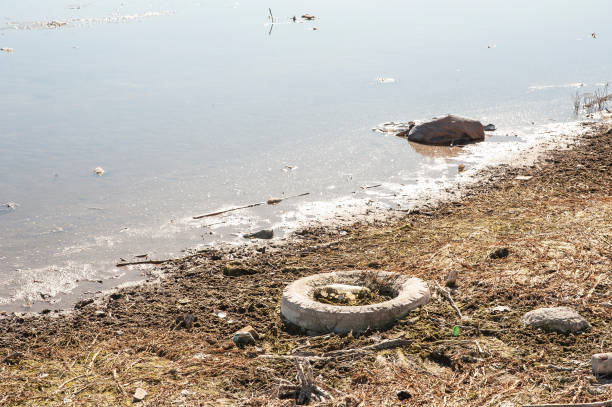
pixel 132 263
pixel 271 201
pixel 228 210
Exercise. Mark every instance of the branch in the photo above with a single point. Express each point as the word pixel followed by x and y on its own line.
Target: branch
pixel 131 263
pixel 449 298
pixel 228 210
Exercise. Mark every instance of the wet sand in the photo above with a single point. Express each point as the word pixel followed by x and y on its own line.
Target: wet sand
pixel 554 217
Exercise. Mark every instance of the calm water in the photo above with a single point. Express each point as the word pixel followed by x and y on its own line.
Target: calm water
pixel 194 106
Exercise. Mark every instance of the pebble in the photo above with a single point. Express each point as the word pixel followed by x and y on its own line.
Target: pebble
pixel 602 364
pixel 499 308
pixel 500 253
pixel 403 395
pixel 139 395
pixel 185 321
pixel 245 336
pixel 242 339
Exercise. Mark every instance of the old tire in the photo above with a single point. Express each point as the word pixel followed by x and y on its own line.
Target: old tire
pixel 300 308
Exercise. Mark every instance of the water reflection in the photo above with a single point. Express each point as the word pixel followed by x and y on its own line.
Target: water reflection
pixel 435 151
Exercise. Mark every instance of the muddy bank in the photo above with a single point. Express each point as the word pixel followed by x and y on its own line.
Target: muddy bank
pixel 555 219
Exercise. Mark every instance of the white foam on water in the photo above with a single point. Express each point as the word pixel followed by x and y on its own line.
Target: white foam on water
pixel 561 86
pixel 523 150
pixel 82 22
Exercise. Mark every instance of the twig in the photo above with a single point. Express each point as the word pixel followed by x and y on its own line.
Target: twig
pixel 131 263
pixel 597 281
pixel 271 16
pixel 449 298
pixel 93 359
pixel 595 404
pixel 61 386
pixel 370 186
pixel 386 344
pixel 228 210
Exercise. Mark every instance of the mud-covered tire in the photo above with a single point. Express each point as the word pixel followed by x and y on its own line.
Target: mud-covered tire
pixel 300 308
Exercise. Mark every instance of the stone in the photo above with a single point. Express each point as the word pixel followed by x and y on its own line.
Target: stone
pixel 499 253
pixel 139 395
pixel 490 127
pixel 403 395
pixel 185 321
pixel 446 131
pixel 602 364
pixel 100 313
pixel 248 329
pixel 262 234
pixel 499 308
pixel 242 339
pixel 451 279
pixel 557 319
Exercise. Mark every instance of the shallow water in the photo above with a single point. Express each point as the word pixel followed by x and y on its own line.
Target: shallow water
pixel 195 106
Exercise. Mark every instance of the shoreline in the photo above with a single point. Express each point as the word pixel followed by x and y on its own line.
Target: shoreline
pixel 554 219
pixel 386 204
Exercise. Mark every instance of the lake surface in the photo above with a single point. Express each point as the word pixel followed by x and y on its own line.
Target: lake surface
pixel 195 106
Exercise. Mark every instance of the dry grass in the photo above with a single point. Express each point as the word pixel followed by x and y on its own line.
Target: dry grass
pixel 557 227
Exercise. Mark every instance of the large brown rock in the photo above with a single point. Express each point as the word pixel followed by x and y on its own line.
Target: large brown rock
pixel 446 131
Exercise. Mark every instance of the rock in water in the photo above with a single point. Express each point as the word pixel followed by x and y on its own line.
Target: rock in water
pixel 490 127
pixel 262 234
pixel 446 131
pixel 557 319
pixel 139 395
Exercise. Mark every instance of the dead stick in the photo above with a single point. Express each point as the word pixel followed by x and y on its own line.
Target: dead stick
pixel 596 404
pixel 597 281
pixel 449 298
pixel 68 381
pixel 131 263
pixel 228 210
pixel 271 16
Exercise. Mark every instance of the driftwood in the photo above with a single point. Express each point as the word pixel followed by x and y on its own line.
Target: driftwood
pixel 132 263
pixel 306 389
pixel 607 403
